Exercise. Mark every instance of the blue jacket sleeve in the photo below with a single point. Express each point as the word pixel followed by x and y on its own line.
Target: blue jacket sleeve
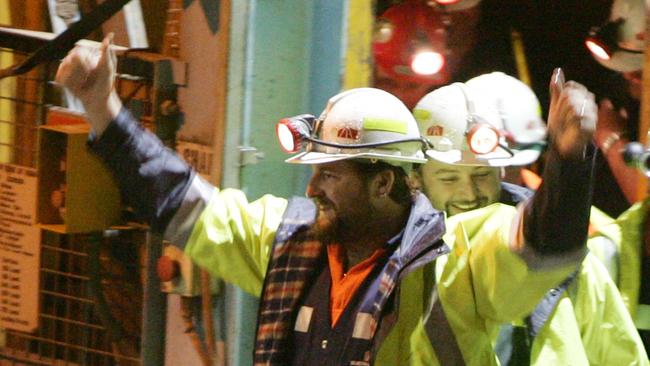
pixel 151 177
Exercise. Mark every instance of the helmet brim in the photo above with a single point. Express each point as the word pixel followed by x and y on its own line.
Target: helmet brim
pixel 314 157
pixel 496 159
pixel 623 61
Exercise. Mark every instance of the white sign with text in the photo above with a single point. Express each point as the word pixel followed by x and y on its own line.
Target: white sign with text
pixel 20 240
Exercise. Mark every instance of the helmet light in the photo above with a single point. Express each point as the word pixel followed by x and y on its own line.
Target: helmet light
pixel 602 41
pixel 597 49
pixel 293 131
pixel 482 138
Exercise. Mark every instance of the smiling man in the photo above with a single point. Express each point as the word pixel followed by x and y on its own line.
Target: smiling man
pixel 457 188
pixel 562 330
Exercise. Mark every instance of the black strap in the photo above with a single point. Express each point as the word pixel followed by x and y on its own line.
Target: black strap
pixel 536 320
pixel 645 337
pixel 514 343
pixel 513 346
pixel 438 329
pixel 59 46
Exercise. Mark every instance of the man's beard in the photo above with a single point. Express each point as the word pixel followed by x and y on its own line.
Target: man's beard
pixel 327 223
pixel 331 227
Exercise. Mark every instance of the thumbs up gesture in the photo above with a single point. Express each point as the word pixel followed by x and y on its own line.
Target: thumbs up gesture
pixel 90 75
pixel 572 116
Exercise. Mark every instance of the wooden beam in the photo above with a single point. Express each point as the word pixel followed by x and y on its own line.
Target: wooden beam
pixel 644 114
pixel 28 88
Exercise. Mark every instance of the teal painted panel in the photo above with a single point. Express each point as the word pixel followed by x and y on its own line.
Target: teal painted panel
pixel 277 86
pixel 326 67
pixel 294 67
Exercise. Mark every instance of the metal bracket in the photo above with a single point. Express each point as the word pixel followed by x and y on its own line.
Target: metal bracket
pixel 249 155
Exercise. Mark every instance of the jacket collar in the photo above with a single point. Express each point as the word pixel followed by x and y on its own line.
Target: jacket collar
pixel 423 232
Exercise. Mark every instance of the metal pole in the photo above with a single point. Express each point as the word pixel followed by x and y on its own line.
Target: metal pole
pixel 154 307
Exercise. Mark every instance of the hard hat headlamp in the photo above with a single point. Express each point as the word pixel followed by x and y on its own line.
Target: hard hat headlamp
pixel 602 41
pixel 293 131
pixel 482 138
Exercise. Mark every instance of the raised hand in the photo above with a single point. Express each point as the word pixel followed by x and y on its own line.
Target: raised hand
pixel 611 123
pixel 89 74
pixel 572 116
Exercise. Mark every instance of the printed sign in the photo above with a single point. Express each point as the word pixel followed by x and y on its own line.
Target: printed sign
pixel 199 156
pixel 19 248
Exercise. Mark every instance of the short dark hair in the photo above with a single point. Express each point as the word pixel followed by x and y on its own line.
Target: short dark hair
pixel 401 191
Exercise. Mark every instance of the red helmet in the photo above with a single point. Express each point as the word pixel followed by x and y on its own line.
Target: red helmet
pixel 405 35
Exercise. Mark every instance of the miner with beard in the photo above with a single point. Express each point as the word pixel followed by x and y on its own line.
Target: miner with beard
pixel 357 273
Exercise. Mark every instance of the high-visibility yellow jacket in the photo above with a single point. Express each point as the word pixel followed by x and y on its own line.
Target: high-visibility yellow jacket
pixel 589 325
pixel 619 246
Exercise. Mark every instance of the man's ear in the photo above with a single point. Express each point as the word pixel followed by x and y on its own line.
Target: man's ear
pixel 415 179
pixel 383 182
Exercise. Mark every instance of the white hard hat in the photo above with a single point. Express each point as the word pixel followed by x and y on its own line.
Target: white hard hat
pixel 619 44
pixel 362 123
pixel 519 110
pixel 465 129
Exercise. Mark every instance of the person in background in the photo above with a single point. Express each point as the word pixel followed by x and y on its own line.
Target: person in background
pixel 358 272
pixel 624 246
pixel 618 45
pixel 581 321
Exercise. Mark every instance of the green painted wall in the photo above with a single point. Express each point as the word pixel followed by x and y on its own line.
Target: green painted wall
pixel 277 86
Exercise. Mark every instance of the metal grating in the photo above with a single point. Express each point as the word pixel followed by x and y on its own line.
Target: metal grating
pixel 90 303
pixel 90 291
pixel 22 97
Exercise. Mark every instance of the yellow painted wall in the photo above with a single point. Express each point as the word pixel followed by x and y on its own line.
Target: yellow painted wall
pixel 358 62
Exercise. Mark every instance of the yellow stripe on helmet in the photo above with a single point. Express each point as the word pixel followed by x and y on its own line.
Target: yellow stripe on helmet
pixel 383 124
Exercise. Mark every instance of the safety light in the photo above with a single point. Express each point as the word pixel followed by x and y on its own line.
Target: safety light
pixel 602 40
pixel 598 50
pixel 409 41
pixel 427 62
pixel 293 131
pixel 482 138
